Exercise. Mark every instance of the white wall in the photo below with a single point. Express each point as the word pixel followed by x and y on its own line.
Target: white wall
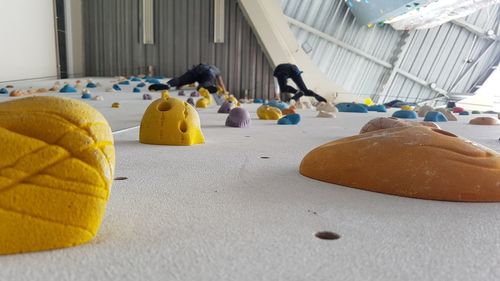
pixel 28 44
pixel 74 38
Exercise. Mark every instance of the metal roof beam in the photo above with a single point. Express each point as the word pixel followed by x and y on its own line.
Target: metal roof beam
pixel 338 42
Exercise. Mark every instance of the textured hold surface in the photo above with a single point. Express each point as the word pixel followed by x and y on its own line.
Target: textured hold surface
pixel 457 109
pixel 194 94
pixel 170 121
pixel 435 116
pixel 137 90
pixel 406 107
pixel 258 100
pixel 288 111
pixel 147 97
pixel 56 171
pixel 351 107
pixel 449 115
pixel 190 101
pixel 125 82
pixel 431 164
pixel 91 85
pixel 17 93
pixel 278 104
pixel 202 103
pixel 4 91
pixel 422 111
pixel 68 89
pixel 135 79
pixel 206 94
pixel 266 112
pixel 140 85
pixel 292 119
pixel 115 105
pixel 464 113
pixel 377 108
pixel 327 107
pixel 390 122
pixel 234 100
pixel 226 107
pixel 116 87
pixel 86 96
pixel 484 121
pixel 405 114
pixel 238 118
pixel 324 114
pixel 181 93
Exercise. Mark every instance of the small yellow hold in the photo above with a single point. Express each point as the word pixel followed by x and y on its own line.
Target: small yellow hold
pixel 206 94
pixel 115 105
pixel 266 112
pixel 234 100
pixel 56 168
pixel 170 121
pixel 202 103
pixel 369 102
pixel 407 107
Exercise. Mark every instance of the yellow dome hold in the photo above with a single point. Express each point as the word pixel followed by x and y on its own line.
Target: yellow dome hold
pixel 234 100
pixel 56 168
pixel 266 112
pixel 369 102
pixel 407 107
pixel 206 94
pixel 202 103
pixel 170 121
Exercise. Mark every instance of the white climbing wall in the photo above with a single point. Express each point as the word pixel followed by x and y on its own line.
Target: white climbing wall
pixel 28 44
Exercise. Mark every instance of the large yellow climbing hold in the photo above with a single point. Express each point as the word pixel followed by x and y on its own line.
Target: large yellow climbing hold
pixel 234 100
pixel 266 112
pixel 170 121
pixel 56 168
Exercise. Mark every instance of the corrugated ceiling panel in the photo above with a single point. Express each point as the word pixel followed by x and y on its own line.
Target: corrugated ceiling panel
pixel 444 55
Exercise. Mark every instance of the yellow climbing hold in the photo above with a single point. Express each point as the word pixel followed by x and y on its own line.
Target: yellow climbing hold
pixel 232 99
pixel 115 105
pixel 266 112
pixel 170 121
pixel 369 102
pixel 407 107
pixel 56 168
pixel 206 94
pixel 202 103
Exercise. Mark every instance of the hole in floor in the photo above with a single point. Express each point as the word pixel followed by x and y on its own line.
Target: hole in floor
pixel 327 235
pixel 121 178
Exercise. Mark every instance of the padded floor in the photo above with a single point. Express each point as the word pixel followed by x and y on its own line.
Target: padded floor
pixel 236 208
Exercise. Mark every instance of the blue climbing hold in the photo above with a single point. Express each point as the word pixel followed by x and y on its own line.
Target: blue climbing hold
pixel 125 82
pixel 435 116
pixel 4 91
pixel 351 107
pixel 135 79
pixel 292 119
pixel 464 113
pixel 405 114
pixel 140 85
pixel 258 101
pixel 137 90
pixel 153 81
pixel 278 104
pixel 116 87
pixel 86 96
pixel 68 89
pixel 377 108
pixel 91 85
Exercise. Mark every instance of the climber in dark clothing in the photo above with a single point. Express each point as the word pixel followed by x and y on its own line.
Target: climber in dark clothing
pixel 207 76
pixel 286 71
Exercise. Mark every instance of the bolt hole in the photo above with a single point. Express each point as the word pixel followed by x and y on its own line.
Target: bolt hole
pixel 164 106
pixel 265 157
pixel 121 178
pixel 327 235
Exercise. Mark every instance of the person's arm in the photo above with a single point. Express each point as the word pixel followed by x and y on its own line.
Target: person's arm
pixel 220 83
